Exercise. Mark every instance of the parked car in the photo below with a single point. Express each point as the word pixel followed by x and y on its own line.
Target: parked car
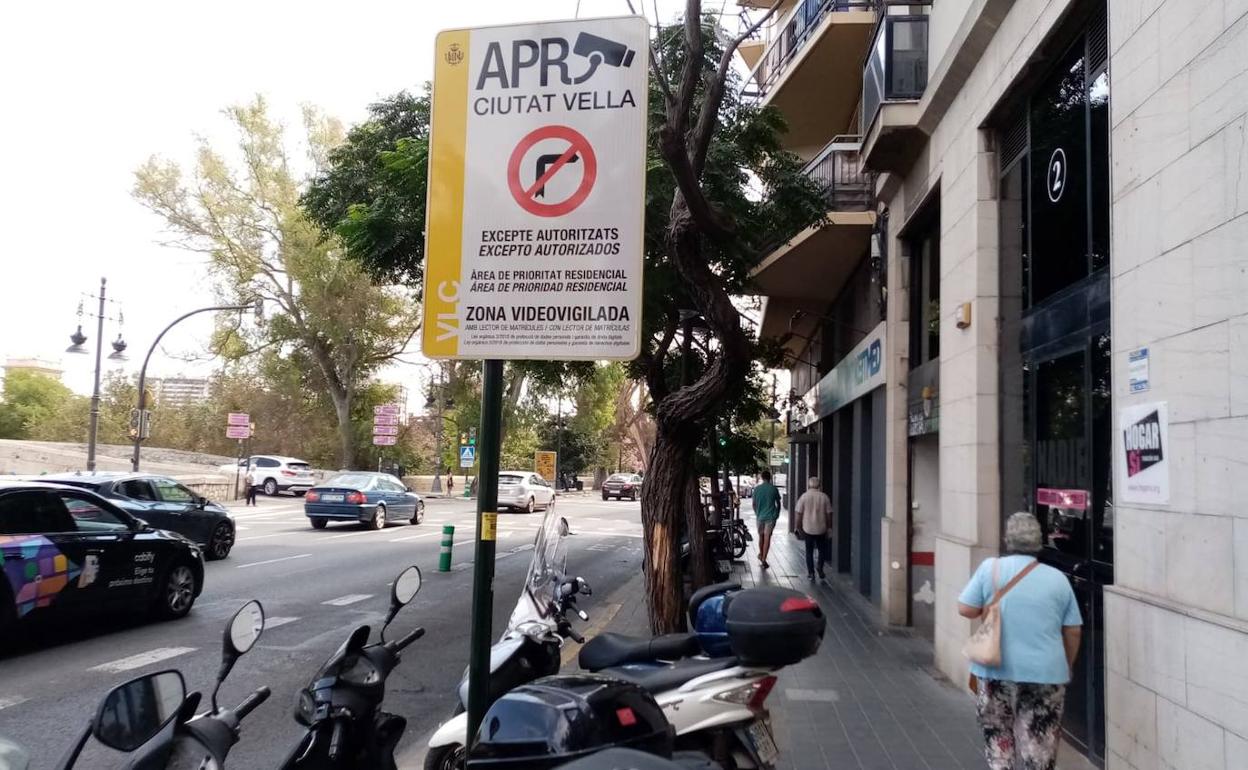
pixel 275 474
pixel 163 503
pixel 524 491
pixel 66 551
pixel 371 498
pixel 622 485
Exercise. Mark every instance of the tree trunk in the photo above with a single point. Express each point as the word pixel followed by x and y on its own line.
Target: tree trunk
pixel 346 432
pixel 663 499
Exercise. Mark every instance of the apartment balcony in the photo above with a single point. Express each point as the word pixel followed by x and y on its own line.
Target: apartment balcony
pixel 893 81
pixel 809 270
pixel 810 70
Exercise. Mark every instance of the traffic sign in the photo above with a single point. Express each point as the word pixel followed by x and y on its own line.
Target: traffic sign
pixel 385 409
pixel 467 456
pixel 385 430
pixel 385 440
pixel 544 464
pixel 536 197
pixel 385 419
pixel 238 418
pixel 238 431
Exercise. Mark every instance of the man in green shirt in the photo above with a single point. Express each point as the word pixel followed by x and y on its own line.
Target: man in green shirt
pixel 766 512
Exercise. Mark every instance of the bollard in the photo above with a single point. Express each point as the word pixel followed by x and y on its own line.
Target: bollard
pixel 448 537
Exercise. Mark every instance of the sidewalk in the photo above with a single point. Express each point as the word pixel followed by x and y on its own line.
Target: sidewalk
pixel 870 699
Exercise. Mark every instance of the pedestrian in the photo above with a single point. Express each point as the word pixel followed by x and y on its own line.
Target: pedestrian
pixel 450 483
pixel 1034 633
pixel 766 503
pixel 250 481
pixel 812 522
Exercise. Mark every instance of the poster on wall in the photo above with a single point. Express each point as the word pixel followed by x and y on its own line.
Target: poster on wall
pixel 1142 454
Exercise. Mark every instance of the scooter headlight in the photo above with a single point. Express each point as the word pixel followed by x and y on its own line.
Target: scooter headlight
pixel 306 708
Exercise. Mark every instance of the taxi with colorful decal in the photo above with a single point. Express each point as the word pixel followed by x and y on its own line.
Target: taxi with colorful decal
pixel 66 550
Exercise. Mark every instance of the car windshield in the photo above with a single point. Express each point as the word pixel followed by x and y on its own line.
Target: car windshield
pixel 620 477
pixel 350 480
pixel 298 466
pixel 509 478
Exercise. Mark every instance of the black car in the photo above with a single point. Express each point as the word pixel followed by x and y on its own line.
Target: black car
pixel 65 549
pixel 163 503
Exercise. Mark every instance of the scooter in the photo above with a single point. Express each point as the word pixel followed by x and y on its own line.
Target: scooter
pixel 530 647
pixel 152 720
pixel 341 706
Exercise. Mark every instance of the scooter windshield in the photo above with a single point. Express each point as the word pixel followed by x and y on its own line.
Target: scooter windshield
pixel 546 572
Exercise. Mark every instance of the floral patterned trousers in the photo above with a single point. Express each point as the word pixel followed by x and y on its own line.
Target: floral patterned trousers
pixel 1021 722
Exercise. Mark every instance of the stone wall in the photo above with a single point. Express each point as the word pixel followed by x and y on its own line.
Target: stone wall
pixel 1177 620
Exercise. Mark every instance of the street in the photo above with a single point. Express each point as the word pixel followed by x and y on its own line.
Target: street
pixel 315 587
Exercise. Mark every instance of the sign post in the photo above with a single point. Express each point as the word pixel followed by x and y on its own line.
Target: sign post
pixel 536 205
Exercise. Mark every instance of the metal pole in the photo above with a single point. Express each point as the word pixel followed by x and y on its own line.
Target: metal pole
pixel 94 425
pixel 558 440
pixel 437 453
pixel 138 439
pixel 483 566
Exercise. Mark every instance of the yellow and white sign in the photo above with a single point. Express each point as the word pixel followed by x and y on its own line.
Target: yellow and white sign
pixel 536 198
pixel 544 464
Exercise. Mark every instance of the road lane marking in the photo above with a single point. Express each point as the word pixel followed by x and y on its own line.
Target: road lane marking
pixel 142 659
pixel 412 537
pixel 261 537
pixel 275 622
pixel 8 702
pixel 343 601
pixel 273 561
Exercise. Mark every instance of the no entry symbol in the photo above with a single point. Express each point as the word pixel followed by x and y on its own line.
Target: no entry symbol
pixel 573 150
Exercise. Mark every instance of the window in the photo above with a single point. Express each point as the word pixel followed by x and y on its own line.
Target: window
pixel 33 512
pixel 298 466
pixel 136 489
pixel 267 462
pixel 91 516
pixel 171 491
pixel 924 245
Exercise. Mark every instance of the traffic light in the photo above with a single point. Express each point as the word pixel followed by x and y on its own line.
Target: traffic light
pixel 472 437
pixel 463 439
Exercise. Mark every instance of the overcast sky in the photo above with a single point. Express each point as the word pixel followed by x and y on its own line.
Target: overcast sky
pixel 90 90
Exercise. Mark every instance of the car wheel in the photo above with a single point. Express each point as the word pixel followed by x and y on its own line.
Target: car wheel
pixel 605 497
pixel 177 592
pixel 319 523
pixel 8 617
pixel 222 541
pixel 445 758
pixel 531 506
pixel 419 515
pixel 270 487
pixel 379 518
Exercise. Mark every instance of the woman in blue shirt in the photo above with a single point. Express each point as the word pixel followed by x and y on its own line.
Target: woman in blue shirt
pixel 1020 702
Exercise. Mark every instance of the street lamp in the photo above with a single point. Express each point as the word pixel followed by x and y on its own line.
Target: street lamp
pixel 437 398
pixel 119 347
pixel 256 305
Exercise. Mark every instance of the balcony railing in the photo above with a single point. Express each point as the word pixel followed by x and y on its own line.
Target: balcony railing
pixel 792 37
pixel 896 67
pixel 838 167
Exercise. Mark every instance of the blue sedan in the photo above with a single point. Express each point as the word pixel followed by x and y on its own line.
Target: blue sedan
pixel 370 498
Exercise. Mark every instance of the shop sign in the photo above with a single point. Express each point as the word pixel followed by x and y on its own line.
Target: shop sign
pixel 1066 499
pixel 1137 370
pixel 924 419
pixel 1142 454
pixel 857 374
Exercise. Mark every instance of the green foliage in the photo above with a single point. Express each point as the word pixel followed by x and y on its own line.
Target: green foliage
pixel 30 399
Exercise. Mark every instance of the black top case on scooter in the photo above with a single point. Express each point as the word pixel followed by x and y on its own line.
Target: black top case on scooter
pixel 559 719
pixel 774 626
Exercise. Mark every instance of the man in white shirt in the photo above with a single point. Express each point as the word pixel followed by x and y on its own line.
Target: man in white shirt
pixel 812 521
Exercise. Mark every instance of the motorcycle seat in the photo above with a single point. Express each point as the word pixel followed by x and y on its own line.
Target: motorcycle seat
pixel 606 650
pixel 663 678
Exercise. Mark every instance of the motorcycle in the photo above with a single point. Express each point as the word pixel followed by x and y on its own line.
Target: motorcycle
pixel 530 646
pixel 340 707
pixel 152 720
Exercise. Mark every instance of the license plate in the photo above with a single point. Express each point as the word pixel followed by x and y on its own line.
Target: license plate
pixel 332 498
pixel 759 734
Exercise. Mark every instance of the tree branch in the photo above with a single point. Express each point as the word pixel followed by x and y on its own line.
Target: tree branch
pixel 656 61
pixel 708 116
pixel 655 381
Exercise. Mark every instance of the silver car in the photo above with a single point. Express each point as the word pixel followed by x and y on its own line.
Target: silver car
pixel 524 491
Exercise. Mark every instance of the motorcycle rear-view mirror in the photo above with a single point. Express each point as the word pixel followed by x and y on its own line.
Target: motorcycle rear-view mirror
pixel 241 634
pixel 564 529
pixel 133 713
pixel 402 591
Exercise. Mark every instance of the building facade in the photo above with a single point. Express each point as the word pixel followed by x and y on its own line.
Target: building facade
pixel 36 365
pixel 1039 306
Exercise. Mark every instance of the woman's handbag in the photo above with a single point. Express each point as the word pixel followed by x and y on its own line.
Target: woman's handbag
pixel 984 646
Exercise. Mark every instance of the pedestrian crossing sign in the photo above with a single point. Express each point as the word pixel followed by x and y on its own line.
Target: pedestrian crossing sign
pixel 467 456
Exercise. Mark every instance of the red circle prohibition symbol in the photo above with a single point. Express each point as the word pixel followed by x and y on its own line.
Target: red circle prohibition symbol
pixel 578 146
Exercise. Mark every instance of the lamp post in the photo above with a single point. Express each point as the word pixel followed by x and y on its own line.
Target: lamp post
pixel 256 305
pixel 119 347
pixel 437 398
